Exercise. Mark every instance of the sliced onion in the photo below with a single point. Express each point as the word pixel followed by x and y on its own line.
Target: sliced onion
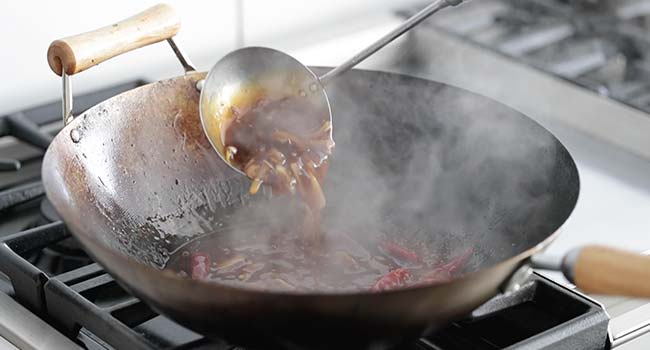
pixel 315 192
pixel 235 260
pixel 322 132
pixel 287 137
pixel 286 178
pixel 276 156
pixel 255 186
pixel 230 153
pixel 282 283
pixel 252 170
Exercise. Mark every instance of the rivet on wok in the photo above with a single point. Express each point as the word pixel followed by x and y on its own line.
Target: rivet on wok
pixel 75 135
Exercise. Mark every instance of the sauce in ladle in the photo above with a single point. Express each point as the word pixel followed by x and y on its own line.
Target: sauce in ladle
pixel 274 142
pixel 281 143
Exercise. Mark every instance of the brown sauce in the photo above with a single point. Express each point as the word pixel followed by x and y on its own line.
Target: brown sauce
pixel 280 261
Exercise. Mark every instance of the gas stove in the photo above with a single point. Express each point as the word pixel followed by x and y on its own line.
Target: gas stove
pixel 47 282
pixel 54 296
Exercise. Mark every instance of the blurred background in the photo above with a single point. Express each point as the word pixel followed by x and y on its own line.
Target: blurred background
pixel 209 30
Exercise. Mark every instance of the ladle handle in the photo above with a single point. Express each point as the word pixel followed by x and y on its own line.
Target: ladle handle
pixel 388 38
pixel 604 270
pixel 80 52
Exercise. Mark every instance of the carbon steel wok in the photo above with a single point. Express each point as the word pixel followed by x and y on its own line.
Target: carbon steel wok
pixel 135 177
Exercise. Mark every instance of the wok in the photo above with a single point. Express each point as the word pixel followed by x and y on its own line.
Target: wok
pixel 135 177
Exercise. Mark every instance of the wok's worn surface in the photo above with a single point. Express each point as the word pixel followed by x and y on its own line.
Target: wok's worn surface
pixel 135 177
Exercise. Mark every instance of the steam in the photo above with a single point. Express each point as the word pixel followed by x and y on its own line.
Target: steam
pixel 426 164
pixel 436 164
pixel 433 165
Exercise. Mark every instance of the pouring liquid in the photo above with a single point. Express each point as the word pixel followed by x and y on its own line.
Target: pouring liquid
pixel 277 142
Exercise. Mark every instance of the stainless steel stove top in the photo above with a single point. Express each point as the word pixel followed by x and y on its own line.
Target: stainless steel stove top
pixel 552 51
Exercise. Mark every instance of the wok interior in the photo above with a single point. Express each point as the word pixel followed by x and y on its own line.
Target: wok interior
pixel 416 159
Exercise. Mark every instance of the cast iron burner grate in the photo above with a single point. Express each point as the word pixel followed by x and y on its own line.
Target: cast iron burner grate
pixel 87 304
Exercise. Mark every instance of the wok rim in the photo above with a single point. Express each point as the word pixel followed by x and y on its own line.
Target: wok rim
pixel 516 260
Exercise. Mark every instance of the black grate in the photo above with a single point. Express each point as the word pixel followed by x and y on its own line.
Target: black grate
pixel 20 194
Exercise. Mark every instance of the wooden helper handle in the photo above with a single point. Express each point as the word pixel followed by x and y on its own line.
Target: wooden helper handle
pixel 82 51
pixel 604 270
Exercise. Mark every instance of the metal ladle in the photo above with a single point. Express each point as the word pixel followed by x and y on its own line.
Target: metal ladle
pixel 239 77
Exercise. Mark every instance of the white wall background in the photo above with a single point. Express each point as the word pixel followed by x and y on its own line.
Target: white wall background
pixel 208 32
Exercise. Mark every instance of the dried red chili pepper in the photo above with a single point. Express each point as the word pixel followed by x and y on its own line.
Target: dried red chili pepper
pixel 394 279
pixel 445 272
pixel 399 252
pixel 200 263
pixel 437 275
pixel 457 263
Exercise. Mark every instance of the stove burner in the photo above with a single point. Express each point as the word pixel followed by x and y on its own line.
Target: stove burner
pixel 59 259
pixel 61 256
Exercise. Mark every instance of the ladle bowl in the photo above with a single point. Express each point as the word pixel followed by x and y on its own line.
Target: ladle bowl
pixel 243 76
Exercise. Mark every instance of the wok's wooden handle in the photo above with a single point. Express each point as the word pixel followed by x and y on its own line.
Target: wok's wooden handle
pixel 82 51
pixel 604 270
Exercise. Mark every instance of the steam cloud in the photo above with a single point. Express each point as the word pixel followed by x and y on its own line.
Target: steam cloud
pixel 434 166
pixel 431 165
